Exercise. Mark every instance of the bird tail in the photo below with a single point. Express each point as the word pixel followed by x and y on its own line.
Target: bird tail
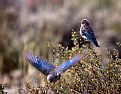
pixel 94 41
pixel 96 44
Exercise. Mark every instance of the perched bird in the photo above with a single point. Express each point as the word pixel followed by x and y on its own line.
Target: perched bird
pixel 87 32
pixel 53 74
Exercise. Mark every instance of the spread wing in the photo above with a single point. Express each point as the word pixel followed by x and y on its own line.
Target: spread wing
pixel 40 64
pixel 90 35
pixel 63 67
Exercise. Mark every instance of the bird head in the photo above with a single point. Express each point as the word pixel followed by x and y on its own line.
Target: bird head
pixel 85 22
pixel 53 78
pixel 50 78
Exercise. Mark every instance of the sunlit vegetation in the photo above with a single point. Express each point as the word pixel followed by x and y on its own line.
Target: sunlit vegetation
pixel 87 76
pixel 38 26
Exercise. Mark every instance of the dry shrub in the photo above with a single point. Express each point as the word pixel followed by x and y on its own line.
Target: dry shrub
pixel 88 76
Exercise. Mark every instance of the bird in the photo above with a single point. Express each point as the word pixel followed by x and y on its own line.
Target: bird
pixel 87 32
pixel 53 74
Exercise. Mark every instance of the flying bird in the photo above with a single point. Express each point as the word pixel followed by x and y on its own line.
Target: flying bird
pixel 53 74
pixel 87 32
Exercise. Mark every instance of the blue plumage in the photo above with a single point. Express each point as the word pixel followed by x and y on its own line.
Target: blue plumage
pixel 49 69
pixel 63 66
pixel 87 32
pixel 67 64
pixel 40 64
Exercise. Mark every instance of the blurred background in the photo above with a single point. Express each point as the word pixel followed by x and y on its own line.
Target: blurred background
pixel 27 24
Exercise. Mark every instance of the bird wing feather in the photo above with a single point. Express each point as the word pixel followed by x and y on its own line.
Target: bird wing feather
pixel 40 64
pixel 90 35
pixel 64 66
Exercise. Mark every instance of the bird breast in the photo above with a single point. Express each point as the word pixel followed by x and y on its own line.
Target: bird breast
pixel 84 37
